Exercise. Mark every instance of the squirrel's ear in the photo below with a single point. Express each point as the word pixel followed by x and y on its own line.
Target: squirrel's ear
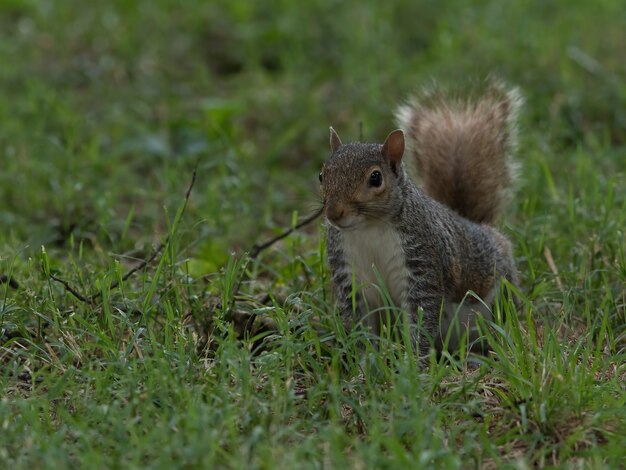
pixel 393 148
pixel 335 141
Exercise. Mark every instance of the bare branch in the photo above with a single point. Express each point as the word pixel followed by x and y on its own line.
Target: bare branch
pixel 158 249
pixel 71 290
pixel 92 298
pixel 4 279
pixel 257 249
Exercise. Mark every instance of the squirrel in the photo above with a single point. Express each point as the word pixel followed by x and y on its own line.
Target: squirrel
pixel 422 238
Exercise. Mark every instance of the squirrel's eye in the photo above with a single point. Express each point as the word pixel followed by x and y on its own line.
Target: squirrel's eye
pixel 321 177
pixel 376 179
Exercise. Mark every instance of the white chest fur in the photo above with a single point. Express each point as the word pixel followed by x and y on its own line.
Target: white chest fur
pixel 376 258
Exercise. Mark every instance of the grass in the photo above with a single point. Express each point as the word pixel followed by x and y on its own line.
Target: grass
pixel 207 358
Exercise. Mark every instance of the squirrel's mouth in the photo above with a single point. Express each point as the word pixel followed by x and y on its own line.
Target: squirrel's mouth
pixel 344 224
pixel 342 216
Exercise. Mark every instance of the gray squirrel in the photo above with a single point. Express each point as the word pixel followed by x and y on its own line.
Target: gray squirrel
pixel 423 248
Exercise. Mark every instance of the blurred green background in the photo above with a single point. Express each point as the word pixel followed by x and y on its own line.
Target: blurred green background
pixel 105 106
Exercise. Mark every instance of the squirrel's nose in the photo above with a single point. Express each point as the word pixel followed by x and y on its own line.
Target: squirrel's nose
pixel 335 212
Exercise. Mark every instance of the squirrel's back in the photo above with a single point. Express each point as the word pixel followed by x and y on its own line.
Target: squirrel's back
pixel 460 149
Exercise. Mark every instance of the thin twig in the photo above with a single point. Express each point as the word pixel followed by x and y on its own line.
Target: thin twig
pixel 92 299
pixel 4 279
pixel 257 249
pixel 71 290
pixel 158 249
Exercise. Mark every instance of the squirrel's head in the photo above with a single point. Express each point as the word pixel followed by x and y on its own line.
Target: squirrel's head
pixel 359 182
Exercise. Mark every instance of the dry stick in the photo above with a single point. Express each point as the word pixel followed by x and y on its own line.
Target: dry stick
pixel 257 249
pixel 4 279
pixel 71 290
pixel 158 249
pixel 92 299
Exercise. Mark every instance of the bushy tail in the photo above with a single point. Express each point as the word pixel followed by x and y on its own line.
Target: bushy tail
pixel 460 149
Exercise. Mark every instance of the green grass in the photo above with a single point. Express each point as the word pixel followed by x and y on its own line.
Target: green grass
pixel 206 358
